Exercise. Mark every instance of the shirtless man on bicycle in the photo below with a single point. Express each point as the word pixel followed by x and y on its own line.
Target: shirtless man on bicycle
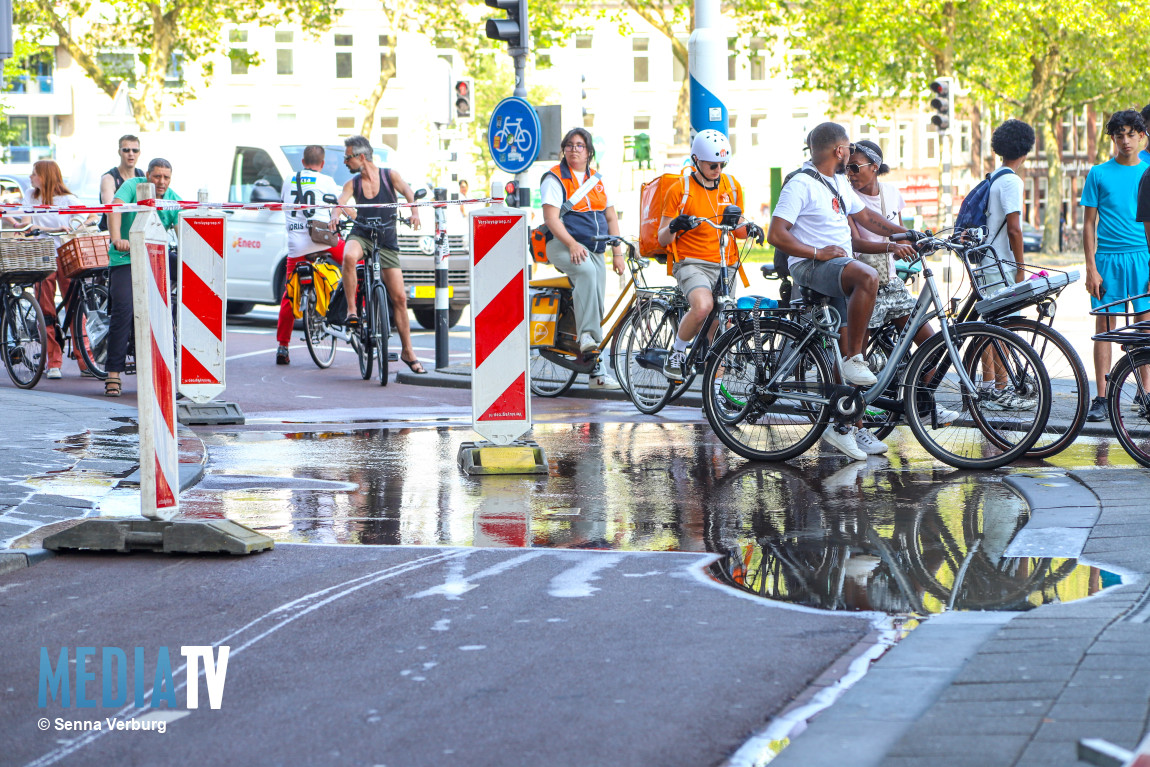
pixel 696 249
pixel 379 186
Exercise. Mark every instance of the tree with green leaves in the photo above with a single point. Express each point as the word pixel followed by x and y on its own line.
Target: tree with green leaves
pixel 1036 59
pixel 160 32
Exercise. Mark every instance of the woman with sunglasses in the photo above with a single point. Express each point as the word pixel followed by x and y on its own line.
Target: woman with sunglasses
pixel 577 209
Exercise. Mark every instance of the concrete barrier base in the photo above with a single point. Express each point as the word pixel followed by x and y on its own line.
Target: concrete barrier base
pixel 211 413
pixel 201 536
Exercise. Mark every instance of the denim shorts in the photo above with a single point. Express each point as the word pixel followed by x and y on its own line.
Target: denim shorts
pixel 825 277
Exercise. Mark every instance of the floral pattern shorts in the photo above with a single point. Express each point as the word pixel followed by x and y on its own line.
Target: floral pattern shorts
pixel 893 300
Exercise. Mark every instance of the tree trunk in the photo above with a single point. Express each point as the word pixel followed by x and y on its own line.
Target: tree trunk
pixel 148 107
pixel 683 113
pixel 1053 210
pixel 1103 147
pixel 371 103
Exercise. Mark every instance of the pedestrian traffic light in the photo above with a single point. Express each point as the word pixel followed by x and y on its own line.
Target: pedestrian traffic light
pixel 461 98
pixel 511 194
pixel 940 103
pixel 513 29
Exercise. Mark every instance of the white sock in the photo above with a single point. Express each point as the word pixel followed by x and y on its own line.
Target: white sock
pixel 680 345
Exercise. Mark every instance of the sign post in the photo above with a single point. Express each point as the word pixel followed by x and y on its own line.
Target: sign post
pixel 201 330
pixel 500 388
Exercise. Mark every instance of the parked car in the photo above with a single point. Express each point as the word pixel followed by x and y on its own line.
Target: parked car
pixel 254 171
pixel 1031 239
pixel 13 186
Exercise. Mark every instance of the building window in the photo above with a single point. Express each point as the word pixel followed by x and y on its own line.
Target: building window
pixel 542 60
pixel 758 128
pixel 174 77
pixel 963 138
pixel 583 42
pixel 902 156
pixel 285 117
pixel 389 125
pixel 284 62
pixel 732 120
pixel 241 118
pixel 285 36
pixel 31 140
pixel 732 59
pixel 678 68
pixel 39 78
pixel 589 120
pixel 642 123
pixel 639 47
pixel 385 41
pixel 932 147
pixel 343 41
pixel 119 66
pixel 343 64
pixel 237 35
pixel 758 58
pixel 345 123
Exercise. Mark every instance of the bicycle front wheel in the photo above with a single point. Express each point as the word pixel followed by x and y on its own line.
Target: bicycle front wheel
pixel 380 330
pixel 22 329
pixel 1128 400
pixel 618 353
pixel 652 337
pixel 549 379
pixel 90 329
pixel 320 344
pixel 961 427
pixel 1069 386
pixel 758 423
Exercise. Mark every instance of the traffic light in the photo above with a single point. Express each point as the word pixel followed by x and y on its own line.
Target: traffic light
pixel 513 29
pixel 461 100
pixel 510 194
pixel 940 103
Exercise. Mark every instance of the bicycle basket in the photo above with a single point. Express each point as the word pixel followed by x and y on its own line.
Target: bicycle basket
pixel 82 253
pixel 27 259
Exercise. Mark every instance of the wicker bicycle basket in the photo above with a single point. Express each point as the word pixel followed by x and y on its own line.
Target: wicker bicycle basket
pixel 83 253
pixel 30 259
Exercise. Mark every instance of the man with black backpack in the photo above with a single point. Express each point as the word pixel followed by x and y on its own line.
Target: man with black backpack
pixel 113 179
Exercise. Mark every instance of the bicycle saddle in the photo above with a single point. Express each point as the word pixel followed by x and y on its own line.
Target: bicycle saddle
pixel 562 281
pixel 811 296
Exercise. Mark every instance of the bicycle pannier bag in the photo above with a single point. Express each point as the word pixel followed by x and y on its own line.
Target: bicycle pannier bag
pixel 337 307
pixel 544 317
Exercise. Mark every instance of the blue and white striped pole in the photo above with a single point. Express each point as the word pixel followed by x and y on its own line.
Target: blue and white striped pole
pixel 707 62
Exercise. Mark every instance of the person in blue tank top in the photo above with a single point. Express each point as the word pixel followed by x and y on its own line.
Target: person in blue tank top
pixel 1117 260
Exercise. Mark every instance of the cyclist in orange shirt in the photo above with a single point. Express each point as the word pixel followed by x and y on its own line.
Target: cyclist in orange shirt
pixel 696 248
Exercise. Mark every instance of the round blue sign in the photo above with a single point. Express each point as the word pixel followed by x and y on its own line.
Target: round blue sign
pixel 513 135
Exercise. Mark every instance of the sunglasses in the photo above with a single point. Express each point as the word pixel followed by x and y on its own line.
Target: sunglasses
pixel 855 167
pixel 713 165
pixel 126 150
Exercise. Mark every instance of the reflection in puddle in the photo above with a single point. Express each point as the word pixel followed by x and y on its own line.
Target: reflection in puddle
pixel 883 541
pixel 902 534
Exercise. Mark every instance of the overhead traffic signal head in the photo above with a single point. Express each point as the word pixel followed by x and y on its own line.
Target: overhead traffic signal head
pixel 461 99
pixel 512 30
pixel 940 103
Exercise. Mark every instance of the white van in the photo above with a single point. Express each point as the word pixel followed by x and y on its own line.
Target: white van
pixel 255 171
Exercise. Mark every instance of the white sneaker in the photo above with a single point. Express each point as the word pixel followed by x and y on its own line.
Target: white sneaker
pixel 844 443
pixel 857 372
pixel 869 443
pixel 946 416
pixel 603 381
pixel 53 373
pixel 587 343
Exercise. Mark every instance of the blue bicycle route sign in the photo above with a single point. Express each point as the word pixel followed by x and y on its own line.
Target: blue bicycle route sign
pixel 513 135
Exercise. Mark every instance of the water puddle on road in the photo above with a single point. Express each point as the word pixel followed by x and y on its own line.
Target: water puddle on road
pixel 899 534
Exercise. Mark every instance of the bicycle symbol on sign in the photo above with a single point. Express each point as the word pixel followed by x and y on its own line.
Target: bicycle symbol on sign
pixel 512 135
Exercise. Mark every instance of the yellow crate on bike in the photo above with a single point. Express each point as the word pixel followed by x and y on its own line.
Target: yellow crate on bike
pixel 544 318
pixel 325 279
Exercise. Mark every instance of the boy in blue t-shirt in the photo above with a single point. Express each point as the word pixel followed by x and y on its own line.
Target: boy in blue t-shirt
pixel 1144 155
pixel 1117 260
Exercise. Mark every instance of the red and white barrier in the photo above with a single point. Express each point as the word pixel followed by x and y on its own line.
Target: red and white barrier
pixel 202 298
pixel 500 396
pixel 155 368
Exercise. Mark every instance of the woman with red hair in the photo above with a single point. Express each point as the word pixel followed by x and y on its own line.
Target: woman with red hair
pixel 48 188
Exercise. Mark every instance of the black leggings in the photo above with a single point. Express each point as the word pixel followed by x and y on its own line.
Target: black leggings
pixel 120 316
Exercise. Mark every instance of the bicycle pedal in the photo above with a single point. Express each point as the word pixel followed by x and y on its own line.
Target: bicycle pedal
pixel 393 356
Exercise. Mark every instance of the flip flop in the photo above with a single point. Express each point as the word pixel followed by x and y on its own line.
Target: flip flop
pixel 411 366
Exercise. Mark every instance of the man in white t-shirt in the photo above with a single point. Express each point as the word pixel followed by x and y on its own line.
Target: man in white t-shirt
pixel 1012 141
pixel 308 186
pixel 810 223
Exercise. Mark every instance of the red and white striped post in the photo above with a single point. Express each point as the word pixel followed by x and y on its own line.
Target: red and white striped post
pixel 500 390
pixel 155 368
pixel 201 330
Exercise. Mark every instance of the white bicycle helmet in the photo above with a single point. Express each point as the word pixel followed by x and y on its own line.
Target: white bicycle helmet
pixel 711 146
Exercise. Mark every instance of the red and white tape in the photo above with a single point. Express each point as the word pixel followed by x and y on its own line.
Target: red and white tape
pixel 500 402
pixel 18 209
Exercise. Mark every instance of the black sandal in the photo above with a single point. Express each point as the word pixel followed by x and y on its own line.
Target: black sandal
pixel 113 387
pixel 352 321
pixel 411 366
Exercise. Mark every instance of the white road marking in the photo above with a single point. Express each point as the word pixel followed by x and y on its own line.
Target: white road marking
pixel 575 581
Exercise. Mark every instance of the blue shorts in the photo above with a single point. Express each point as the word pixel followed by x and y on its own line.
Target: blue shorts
pixel 1124 275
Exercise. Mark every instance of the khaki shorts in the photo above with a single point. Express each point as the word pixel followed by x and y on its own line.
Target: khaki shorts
pixel 388 258
pixel 694 273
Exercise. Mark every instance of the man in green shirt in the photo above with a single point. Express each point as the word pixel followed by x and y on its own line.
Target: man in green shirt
pixel 120 307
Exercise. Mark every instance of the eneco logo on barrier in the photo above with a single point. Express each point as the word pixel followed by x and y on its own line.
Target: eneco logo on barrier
pixel 56 681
